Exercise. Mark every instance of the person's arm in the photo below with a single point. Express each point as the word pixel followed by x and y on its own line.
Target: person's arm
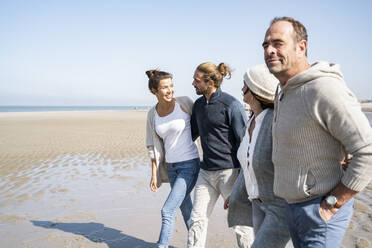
pixel 226 203
pixel 343 195
pixel 186 104
pixel 238 121
pixel 151 150
pixel 336 109
pixel 239 193
pixel 153 182
pixel 194 125
pixel 345 163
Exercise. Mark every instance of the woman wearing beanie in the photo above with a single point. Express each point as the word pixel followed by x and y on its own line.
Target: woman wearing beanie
pixel 174 156
pixel 267 211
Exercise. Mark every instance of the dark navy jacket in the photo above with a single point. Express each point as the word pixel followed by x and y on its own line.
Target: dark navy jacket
pixel 220 124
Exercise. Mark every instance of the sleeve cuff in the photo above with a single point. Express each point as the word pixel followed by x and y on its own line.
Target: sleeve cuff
pixel 354 183
pixel 151 153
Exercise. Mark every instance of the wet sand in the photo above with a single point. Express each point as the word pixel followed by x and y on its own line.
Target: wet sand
pixel 80 179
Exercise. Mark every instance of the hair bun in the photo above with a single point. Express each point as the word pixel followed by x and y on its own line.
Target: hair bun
pixel 150 73
pixel 224 70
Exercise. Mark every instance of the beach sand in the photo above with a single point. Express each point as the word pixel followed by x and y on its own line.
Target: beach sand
pixel 80 179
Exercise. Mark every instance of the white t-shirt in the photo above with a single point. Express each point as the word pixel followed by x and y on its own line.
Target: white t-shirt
pixel 175 130
pixel 244 154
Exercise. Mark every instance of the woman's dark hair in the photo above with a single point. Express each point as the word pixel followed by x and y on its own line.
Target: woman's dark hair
pixel 155 76
pixel 264 104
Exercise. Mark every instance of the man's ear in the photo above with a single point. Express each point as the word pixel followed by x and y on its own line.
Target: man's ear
pixel 211 83
pixel 302 46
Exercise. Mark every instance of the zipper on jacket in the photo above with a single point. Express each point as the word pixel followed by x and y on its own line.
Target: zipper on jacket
pixel 278 95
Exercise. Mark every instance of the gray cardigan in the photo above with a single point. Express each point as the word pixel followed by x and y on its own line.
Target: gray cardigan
pixel 154 143
pixel 240 208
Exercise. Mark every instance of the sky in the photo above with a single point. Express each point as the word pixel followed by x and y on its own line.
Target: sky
pixel 96 52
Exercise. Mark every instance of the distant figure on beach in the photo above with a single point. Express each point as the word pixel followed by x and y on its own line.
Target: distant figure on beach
pixel 219 119
pixel 317 121
pixel 174 156
pixel 267 212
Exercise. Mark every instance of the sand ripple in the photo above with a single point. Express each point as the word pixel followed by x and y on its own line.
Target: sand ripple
pixel 56 175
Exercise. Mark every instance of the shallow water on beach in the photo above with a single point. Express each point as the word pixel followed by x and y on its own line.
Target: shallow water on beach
pixel 71 191
pixel 88 200
pixel 65 174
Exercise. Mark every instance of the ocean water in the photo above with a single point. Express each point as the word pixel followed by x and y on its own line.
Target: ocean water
pixel 67 108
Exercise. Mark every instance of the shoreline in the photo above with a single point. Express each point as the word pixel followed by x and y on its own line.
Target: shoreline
pixel 366 107
pixel 72 111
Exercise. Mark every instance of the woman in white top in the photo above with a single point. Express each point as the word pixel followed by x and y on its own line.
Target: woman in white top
pixel 174 156
pixel 267 212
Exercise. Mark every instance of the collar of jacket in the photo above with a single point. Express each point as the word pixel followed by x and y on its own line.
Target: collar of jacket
pixel 214 96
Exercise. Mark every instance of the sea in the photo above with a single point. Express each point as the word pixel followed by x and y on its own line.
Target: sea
pixel 68 108
pixel 91 108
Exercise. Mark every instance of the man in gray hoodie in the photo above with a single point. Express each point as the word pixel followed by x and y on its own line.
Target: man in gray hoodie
pixel 317 122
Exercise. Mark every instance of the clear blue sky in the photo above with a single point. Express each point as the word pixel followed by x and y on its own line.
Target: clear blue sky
pixel 96 52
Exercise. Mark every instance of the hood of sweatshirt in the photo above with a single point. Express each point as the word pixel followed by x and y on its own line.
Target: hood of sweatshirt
pixel 317 70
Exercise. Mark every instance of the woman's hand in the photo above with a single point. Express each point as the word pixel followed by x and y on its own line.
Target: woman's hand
pixel 345 163
pixel 153 184
pixel 226 204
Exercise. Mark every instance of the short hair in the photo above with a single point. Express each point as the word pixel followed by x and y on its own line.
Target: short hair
pixel 298 27
pixel 213 72
pixel 155 76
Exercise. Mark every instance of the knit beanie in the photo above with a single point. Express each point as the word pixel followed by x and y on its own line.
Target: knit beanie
pixel 261 82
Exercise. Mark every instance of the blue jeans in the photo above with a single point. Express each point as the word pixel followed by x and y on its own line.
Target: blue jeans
pixel 309 230
pixel 270 224
pixel 182 178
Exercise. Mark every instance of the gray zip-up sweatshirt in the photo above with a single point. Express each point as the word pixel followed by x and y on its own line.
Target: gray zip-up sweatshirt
pixel 317 121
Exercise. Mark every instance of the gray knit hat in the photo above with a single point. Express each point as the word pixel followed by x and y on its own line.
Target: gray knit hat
pixel 261 82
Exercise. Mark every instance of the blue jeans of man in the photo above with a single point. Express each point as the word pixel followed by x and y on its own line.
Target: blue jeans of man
pixel 182 178
pixel 309 230
pixel 270 224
